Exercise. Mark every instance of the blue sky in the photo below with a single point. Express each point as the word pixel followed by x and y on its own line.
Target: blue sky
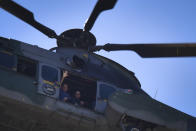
pixel 131 21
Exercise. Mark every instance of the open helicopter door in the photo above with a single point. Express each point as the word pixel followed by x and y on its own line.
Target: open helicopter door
pixel 104 90
pixel 49 80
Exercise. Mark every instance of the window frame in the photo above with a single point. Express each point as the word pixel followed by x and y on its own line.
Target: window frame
pixel 101 104
pixel 56 79
pixel 14 68
pixel 108 94
pixel 29 60
pixel 45 87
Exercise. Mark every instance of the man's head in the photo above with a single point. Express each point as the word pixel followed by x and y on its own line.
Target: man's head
pixel 65 87
pixel 77 94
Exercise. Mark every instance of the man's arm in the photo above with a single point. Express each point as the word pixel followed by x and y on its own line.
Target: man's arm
pixel 65 74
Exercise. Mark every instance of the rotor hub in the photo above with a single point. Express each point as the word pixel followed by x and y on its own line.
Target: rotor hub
pixel 76 38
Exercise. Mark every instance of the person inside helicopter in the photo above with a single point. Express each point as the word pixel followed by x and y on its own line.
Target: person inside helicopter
pixel 76 100
pixel 64 87
pixel 64 95
pixel 81 90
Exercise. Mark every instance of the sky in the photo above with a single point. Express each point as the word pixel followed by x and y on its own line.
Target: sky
pixel 131 21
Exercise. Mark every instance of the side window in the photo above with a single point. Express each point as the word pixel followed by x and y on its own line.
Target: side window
pixel 7 60
pixel 105 91
pixel 26 66
pixel 49 73
pixel 48 80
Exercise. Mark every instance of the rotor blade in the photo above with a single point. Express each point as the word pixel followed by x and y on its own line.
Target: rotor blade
pixel 26 16
pixel 154 50
pixel 100 6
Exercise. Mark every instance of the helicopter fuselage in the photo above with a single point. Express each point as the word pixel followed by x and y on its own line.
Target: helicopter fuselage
pixel 27 89
pixel 30 82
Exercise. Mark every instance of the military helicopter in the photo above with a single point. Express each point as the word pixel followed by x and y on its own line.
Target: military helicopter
pixel 31 76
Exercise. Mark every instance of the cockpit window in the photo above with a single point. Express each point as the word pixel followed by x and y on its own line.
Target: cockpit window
pixel 49 73
pixel 7 60
pixel 105 91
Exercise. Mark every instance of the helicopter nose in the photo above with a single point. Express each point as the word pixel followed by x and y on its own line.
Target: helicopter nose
pixel 140 108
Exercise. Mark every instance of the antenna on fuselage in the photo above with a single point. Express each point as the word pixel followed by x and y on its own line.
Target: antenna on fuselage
pixel 155 95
